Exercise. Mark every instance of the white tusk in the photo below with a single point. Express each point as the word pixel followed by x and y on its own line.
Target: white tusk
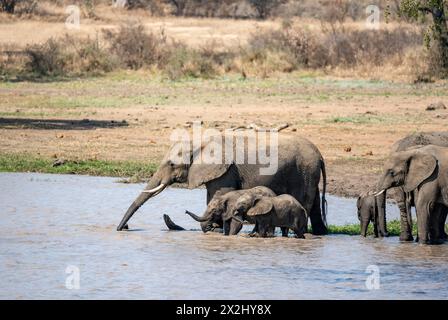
pixel 378 193
pixel 161 186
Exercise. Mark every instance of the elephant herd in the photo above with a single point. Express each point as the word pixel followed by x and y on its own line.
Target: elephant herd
pixel 237 193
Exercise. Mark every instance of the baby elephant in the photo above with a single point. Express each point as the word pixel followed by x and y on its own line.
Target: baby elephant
pixel 282 211
pixel 368 209
pixel 223 205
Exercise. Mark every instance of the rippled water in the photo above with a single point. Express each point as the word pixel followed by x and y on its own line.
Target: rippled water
pixel 50 222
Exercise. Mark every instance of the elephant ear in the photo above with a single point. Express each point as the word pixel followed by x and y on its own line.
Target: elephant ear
pixel 262 206
pixel 200 172
pixel 203 173
pixel 421 167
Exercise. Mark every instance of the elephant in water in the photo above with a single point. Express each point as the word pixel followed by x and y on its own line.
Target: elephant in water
pixel 221 208
pixel 283 211
pixel 299 165
pixel 368 212
pixel 400 196
pixel 422 173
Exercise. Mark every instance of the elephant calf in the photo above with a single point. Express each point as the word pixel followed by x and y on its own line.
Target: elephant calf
pixel 282 211
pixel 220 209
pixel 368 212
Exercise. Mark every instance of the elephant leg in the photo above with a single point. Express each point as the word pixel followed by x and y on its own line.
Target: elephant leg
pixel 285 232
pixel 235 227
pixel 380 214
pixel 437 232
pixel 375 229
pixel 226 226
pixel 255 229
pixel 270 233
pixel 299 230
pixel 423 221
pixel 441 223
pixel 405 213
pixel 319 228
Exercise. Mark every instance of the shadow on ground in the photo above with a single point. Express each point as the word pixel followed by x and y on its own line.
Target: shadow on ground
pixel 62 124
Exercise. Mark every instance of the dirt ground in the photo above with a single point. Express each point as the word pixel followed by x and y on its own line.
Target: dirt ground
pixel 130 116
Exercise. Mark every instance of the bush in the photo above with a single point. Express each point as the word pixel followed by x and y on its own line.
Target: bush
pixel 185 62
pixel 136 48
pixel 296 48
pixel 68 56
pixel 46 59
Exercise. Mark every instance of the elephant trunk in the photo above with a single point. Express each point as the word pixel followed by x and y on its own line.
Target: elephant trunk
pixel 153 188
pixel 196 217
pixel 380 207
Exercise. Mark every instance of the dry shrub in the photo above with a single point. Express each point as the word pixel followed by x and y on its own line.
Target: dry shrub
pixel 296 48
pixel 46 58
pixel 184 62
pixel 428 65
pixel 11 60
pixel 135 47
pixel 68 56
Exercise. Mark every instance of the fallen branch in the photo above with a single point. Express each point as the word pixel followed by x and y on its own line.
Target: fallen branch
pixel 253 126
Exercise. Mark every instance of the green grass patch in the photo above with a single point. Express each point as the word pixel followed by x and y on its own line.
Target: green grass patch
pixel 393 228
pixel 357 119
pixel 138 171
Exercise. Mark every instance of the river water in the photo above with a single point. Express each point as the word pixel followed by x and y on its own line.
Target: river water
pixel 58 229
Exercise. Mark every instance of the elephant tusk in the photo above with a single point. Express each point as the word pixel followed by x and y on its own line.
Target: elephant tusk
pixel 161 186
pixel 378 193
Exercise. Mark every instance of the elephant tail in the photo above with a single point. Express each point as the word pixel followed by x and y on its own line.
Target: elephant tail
pixel 324 190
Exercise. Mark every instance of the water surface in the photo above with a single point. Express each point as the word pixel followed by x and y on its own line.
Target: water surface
pixel 50 222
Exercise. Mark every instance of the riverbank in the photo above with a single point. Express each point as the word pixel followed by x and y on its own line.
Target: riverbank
pixel 120 125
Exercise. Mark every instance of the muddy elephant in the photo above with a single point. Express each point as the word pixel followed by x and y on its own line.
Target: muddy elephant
pixel 422 173
pixel 402 199
pixel 283 211
pixel 368 212
pixel 297 173
pixel 223 205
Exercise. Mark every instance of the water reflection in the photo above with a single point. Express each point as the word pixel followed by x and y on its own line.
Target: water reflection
pixel 52 221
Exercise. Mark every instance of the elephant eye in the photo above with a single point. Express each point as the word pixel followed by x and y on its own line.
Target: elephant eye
pixel 392 173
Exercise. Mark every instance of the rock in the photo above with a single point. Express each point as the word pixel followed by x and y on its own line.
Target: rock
pixel 347 149
pixel 436 106
pixel 58 162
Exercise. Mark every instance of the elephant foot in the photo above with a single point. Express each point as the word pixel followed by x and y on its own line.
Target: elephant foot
pixel 406 237
pixel 254 235
pixel 320 231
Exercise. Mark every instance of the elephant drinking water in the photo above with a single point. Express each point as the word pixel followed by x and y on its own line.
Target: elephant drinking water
pixel 299 165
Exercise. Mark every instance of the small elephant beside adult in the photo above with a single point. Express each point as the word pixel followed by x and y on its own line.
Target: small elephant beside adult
pixel 368 212
pixel 400 196
pixel 220 209
pixel 422 172
pixel 299 168
pixel 283 211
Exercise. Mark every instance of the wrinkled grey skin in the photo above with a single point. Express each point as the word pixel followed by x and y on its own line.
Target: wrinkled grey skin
pixel 299 169
pixel 242 205
pixel 220 209
pixel 368 212
pixel 401 198
pixel 422 173
pixel 282 211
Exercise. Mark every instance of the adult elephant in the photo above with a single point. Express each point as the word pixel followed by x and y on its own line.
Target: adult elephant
pixel 423 173
pixel 403 200
pixel 299 167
